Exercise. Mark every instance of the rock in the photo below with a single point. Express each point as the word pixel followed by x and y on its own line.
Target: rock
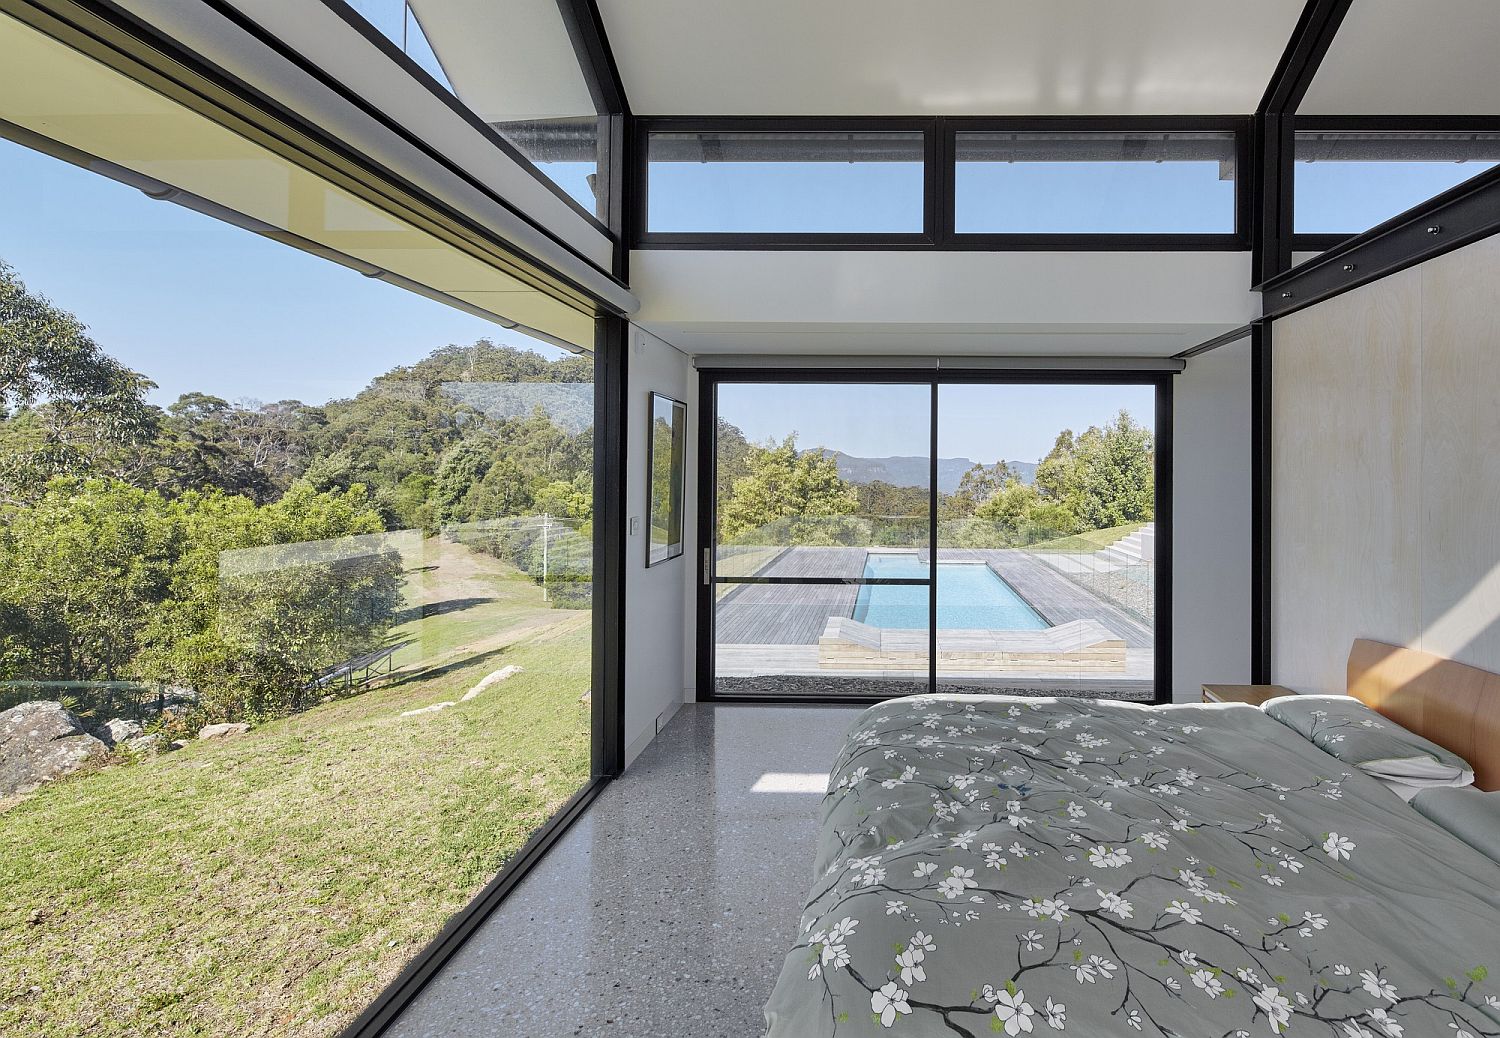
pixel 223 731
pixel 41 741
pixel 147 744
pixel 178 744
pixel 112 733
pixel 507 671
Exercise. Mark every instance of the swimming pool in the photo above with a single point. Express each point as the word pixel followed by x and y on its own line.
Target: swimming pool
pixel 970 597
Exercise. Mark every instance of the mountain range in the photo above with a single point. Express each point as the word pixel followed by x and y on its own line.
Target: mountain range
pixel 914 471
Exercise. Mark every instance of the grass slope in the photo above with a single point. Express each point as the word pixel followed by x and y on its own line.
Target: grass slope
pixel 1087 542
pixel 271 884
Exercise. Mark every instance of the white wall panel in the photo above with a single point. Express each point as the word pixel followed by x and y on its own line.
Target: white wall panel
pixel 1345 479
pixel 1211 484
pixel 656 620
pixel 1386 470
pixel 939 302
pixel 1460 500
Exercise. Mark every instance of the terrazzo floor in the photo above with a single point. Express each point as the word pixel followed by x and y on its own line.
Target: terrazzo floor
pixel 665 911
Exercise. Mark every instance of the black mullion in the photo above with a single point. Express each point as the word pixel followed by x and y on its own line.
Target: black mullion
pixel 1260 506
pixel 932 182
pixel 932 545
pixel 1161 627
pixel 708 498
pixel 596 60
pixel 608 663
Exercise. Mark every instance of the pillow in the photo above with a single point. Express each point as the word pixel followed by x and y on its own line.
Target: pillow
pixel 1470 814
pixel 1378 746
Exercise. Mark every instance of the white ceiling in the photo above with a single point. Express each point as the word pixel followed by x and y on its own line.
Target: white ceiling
pixel 955 57
pixel 1399 57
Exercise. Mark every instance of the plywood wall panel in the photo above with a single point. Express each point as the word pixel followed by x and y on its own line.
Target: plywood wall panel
pixel 1460 544
pixel 1386 470
pixel 1346 479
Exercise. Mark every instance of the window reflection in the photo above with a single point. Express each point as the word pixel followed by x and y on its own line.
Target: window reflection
pixel 513 65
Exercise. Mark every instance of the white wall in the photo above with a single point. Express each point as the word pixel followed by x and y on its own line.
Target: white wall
pixel 1211 562
pixel 656 617
pixel 1386 471
pixel 933 303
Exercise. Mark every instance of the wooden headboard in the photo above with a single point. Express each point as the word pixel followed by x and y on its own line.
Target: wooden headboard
pixel 1454 705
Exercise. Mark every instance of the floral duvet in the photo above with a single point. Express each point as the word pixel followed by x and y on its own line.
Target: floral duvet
pixel 991 865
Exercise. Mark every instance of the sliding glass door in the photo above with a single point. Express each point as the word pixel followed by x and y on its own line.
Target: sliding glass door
pixel 1046 539
pixel 963 534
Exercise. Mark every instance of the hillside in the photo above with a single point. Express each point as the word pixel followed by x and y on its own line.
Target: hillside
pixel 902 471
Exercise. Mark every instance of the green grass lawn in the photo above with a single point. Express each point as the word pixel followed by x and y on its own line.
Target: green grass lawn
pixel 271 884
pixel 1088 541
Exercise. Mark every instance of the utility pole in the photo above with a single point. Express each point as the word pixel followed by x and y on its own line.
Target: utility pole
pixel 546 528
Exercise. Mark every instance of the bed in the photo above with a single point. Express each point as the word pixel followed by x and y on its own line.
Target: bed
pixel 993 865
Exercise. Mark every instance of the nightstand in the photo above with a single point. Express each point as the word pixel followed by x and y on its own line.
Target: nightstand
pixel 1255 695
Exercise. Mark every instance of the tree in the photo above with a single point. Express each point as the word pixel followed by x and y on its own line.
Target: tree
pixel 731 459
pixel 64 402
pixel 244 448
pixel 102 581
pixel 81 572
pixel 1008 509
pixel 265 599
pixel 1057 474
pixel 782 485
pixel 1116 477
pixel 976 486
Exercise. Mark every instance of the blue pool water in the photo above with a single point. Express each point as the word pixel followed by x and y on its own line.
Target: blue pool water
pixel 970 597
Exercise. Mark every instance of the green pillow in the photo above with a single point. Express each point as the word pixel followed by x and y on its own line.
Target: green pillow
pixel 1378 746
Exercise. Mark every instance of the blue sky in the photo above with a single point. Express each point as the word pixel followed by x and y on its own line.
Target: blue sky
pixel 982 423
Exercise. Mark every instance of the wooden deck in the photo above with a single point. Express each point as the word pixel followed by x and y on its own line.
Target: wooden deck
pixel 795 614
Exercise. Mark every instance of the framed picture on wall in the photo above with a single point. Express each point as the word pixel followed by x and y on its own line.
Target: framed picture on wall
pixel 666 458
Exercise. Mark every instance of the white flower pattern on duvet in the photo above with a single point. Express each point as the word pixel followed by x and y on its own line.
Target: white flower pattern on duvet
pixel 1001 866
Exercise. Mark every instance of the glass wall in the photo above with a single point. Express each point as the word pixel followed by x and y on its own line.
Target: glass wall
pixel 1094 183
pixel 1043 581
pixel 785 182
pixel 1347 182
pixel 296 601
pixel 513 65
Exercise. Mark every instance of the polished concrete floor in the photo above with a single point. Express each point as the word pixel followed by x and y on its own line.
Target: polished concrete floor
pixel 666 909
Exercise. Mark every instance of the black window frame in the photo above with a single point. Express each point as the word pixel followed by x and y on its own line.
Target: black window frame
pixel 641 164
pixel 938 180
pixel 1302 242
pixel 711 377
pixel 1237 240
